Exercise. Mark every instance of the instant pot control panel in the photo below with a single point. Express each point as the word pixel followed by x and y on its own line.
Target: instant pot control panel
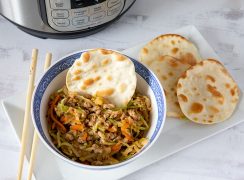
pixel 73 15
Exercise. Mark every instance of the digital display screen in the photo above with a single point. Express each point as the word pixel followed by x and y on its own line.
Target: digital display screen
pixel 84 3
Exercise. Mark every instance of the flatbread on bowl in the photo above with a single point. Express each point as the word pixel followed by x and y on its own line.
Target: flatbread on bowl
pixel 104 73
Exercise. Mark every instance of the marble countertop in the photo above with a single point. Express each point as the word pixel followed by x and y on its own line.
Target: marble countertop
pixel 221 22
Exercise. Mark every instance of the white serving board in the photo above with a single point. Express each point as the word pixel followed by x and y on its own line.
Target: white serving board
pixel 176 135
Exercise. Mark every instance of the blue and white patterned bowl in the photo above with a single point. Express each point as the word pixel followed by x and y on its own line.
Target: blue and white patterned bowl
pixel 54 79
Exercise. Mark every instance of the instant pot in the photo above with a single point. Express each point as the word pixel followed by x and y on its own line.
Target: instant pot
pixel 63 19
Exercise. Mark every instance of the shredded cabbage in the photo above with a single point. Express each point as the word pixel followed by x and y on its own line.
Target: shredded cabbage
pixel 92 131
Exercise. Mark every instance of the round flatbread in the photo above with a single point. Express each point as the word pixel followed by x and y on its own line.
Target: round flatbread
pixel 207 93
pixel 172 45
pixel 168 71
pixel 104 73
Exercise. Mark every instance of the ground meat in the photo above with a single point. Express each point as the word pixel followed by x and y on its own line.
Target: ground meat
pixel 108 106
pixel 84 114
pixel 94 108
pixel 97 163
pixel 69 137
pixel 118 138
pixel 88 96
pixel 98 111
pixel 123 116
pixel 106 115
pixel 92 121
pixel 133 113
pixel 95 127
pixel 107 150
pixel 97 149
pixel 111 136
pixel 115 114
pixel 106 124
pixel 87 105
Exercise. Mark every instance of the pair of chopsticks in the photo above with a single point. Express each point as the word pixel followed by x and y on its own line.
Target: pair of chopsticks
pixel 27 116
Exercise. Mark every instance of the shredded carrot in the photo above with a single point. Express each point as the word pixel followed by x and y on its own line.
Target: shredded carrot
pixel 116 147
pixel 48 116
pixel 63 129
pixel 127 135
pixel 77 127
pixel 112 129
pixel 53 125
pixel 125 126
pixel 64 119
pixel 84 136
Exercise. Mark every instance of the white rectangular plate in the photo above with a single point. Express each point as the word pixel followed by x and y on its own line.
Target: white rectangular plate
pixel 176 135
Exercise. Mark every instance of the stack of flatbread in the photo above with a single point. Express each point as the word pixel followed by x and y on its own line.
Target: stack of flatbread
pixel 201 90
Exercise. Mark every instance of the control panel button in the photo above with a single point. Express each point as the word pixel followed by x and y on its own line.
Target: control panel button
pixel 60 13
pixel 60 4
pixel 114 9
pixel 112 3
pixel 79 21
pixel 80 12
pixel 61 22
pixel 97 8
pixel 97 16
